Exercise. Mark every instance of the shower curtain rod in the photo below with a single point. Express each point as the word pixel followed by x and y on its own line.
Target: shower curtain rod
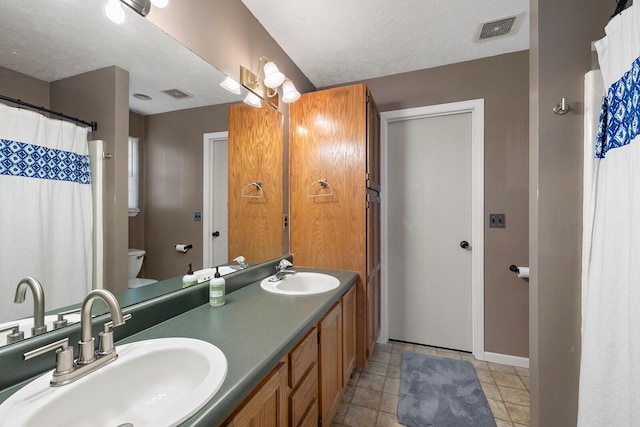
pixel 94 125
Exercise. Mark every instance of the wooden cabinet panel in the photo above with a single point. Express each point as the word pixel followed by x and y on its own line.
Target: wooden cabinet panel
pixel 255 155
pixel 334 136
pixel 268 404
pixel 348 335
pixel 311 417
pixel 373 144
pixel 304 396
pixel 330 363
pixel 302 357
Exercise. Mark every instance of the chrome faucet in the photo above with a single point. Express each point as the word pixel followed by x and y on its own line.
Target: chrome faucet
pixel 38 302
pixel 67 370
pixel 281 271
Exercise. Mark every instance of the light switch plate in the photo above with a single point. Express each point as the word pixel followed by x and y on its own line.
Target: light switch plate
pixel 197 216
pixel 497 220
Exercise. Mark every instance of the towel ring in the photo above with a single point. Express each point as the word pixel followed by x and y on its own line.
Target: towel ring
pixel 324 184
pixel 258 185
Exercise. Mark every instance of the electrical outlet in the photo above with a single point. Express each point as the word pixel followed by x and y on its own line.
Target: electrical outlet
pixel 197 216
pixel 497 220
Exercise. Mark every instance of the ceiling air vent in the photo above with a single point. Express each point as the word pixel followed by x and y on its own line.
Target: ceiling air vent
pixel 177 93
pixel 499 27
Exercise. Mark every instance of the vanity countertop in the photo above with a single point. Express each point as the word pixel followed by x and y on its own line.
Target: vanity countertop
pixel 254 329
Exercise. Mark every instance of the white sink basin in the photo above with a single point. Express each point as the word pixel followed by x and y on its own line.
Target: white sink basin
pixel 302 283
pixel 27 323
pixel 159 382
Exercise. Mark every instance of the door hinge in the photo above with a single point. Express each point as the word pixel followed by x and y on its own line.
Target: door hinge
pixel 318 337
pixel 319 422
pixel 285 221
pixel 367 279
pixel 367 352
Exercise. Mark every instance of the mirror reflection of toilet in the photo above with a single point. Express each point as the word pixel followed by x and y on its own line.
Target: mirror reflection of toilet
pixel 136 257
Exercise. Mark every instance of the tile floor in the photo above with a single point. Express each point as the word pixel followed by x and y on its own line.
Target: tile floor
pixel 371 397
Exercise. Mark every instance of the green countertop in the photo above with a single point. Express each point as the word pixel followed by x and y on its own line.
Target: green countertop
pixel 254 329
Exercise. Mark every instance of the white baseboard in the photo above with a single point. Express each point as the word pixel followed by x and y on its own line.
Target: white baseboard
pixel 506 359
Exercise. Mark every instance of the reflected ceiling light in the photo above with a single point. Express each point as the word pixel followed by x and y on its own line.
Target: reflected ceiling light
pixel 114 11
pixel 272 76
pixel 160 3
pixel 253 100
pixel 231 85
pixel 289 92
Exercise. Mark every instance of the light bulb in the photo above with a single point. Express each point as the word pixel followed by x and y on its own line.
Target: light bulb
pixel 231 85
pixel 253 100
pixel 160 3
pixel 289 92
pixel 272 76
pixel 114 11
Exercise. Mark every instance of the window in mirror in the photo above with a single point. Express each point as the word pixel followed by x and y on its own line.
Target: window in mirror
pixel 134 172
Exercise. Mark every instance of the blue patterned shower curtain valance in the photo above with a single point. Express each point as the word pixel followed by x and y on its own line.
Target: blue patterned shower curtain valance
pixel 620 115
pixel 34 161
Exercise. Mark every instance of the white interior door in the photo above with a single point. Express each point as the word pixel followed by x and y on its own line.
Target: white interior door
pixel 430 240
pixel 215 199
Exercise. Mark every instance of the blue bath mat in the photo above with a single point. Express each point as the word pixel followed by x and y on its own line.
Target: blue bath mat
pixel 441 392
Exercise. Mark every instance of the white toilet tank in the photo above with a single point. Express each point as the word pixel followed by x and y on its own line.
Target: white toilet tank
pixel 136 256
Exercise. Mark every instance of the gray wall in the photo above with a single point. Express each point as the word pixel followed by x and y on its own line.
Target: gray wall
pixel 173 187
pixel 503 83
pixel 103 96
pixel 561 36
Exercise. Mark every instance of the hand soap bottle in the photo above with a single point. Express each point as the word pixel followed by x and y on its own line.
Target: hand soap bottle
pixel 189 279
pixel 216 290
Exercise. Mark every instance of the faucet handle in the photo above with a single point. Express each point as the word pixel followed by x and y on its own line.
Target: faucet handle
pixel 15 335
pixel 64 355
pixel 62 322
pixel 283 265
pixel 105 346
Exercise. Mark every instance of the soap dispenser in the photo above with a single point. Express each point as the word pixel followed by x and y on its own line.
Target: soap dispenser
pixel 216 290
pixel 189 279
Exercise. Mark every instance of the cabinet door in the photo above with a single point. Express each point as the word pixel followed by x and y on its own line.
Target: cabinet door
pixel 267 407
pixel 327 135
pixel 373 144
pixel 348 335
pixel 255 155
pixel 330 363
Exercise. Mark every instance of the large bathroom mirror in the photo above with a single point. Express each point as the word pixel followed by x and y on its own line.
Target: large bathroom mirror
pixel 45 41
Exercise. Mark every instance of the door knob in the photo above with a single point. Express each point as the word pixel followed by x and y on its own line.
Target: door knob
pixel 215 234
pixel 464 244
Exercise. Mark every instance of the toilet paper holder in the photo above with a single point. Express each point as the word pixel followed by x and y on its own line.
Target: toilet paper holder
pixel 522 272
pixel 182 248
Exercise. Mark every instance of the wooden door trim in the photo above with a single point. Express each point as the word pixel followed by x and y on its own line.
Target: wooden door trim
pixel 476 108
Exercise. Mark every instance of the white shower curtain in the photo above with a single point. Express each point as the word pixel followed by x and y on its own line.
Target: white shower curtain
pixel 609 393
pixel 45 210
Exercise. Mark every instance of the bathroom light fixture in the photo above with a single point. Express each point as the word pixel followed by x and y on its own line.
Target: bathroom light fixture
pixel 266 87
pixel 231 85
pixel 253 100
pixel 272 76
pixel 114 11
pixel 289 92
pixel 160 3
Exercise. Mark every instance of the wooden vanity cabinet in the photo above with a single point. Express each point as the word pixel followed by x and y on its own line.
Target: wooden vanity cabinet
pixel 303 380
pixel 267 405
pixel 330 351
pixel 306 387
pixel 334 155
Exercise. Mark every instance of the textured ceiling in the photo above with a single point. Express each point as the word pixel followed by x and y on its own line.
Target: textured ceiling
pixel 55 39
pixel 340 41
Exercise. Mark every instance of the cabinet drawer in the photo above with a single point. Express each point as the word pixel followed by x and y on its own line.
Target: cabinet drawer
pixel 301 357
pixel 311 417
pixel 304 395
